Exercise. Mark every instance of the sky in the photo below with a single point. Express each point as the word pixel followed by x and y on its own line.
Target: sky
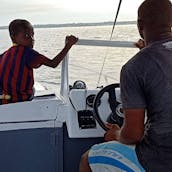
pixel 66 11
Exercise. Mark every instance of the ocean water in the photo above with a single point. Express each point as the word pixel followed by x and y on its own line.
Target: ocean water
pixel 85 62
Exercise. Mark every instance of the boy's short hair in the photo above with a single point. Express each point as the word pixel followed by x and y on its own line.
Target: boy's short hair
pixel 18 25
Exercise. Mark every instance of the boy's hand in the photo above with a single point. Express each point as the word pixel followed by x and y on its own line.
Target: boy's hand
pixel 71 40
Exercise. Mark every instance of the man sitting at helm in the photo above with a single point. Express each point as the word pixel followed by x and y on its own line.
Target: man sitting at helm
pixel 146 85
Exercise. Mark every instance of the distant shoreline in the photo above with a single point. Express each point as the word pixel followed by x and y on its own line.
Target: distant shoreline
pixel 77 24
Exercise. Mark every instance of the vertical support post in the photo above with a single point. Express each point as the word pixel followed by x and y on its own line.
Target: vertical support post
pixel 64 90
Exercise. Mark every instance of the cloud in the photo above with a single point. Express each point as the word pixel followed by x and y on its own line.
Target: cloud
pixel 64 11
pixel 31 10
pixel 9 7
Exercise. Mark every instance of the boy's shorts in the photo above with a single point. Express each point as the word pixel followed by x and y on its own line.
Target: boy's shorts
pixel 113 157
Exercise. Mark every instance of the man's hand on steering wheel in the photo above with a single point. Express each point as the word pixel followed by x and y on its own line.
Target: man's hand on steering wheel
pixel 112 133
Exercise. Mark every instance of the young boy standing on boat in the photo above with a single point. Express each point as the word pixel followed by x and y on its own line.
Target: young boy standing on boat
pixel 17 63
pixel 146 89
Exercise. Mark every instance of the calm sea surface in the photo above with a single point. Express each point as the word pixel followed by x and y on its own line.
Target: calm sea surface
pixel 85 62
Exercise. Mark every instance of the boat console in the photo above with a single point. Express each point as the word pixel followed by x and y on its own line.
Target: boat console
pixel 51 132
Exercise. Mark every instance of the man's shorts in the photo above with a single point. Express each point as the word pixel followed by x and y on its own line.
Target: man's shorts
pixel 113 157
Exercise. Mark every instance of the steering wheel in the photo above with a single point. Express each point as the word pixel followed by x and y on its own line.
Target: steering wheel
pixel 116 117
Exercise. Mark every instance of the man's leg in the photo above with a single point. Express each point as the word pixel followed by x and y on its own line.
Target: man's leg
pixel 84 166
pixel 110 157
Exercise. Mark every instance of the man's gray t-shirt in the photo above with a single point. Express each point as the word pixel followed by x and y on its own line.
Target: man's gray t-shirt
pixel 146 82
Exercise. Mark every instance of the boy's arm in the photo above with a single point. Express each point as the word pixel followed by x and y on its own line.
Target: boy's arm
pixel 70 40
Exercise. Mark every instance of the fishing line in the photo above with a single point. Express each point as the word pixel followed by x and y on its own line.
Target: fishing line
pixel 114 24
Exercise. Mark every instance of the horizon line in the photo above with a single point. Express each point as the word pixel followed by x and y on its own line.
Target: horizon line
pixel 79 24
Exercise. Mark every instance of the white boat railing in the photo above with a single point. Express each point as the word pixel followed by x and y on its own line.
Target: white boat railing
pixel 106 43
pixel 64 90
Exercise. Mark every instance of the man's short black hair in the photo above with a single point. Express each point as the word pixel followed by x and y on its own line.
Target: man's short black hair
pixel 18 25
pixel 156 13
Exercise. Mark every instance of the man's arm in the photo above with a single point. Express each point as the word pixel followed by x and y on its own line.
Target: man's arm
pixel 132 130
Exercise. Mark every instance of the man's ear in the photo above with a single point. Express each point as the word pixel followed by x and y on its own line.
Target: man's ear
pixel 140 26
